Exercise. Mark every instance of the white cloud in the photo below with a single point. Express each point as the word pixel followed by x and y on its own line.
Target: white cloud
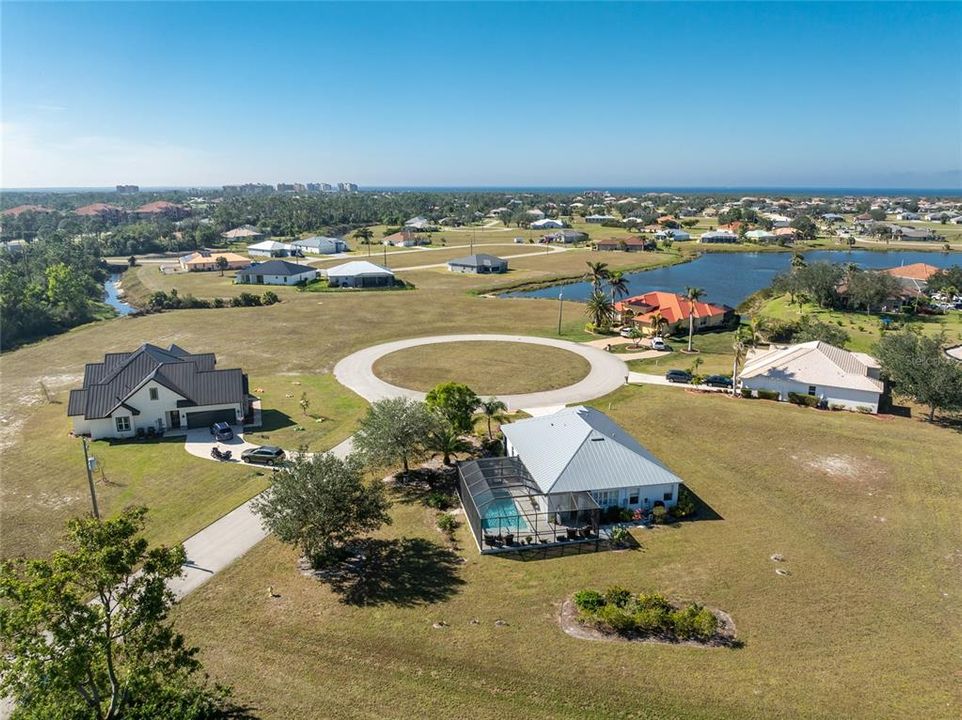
pixel 28 159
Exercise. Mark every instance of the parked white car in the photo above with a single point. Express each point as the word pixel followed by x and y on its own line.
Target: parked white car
pixel 658 343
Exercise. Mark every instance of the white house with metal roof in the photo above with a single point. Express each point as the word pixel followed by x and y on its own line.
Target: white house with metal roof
pixel 359 274
pixel 271 248
pixel 837 377
pixel 320 245
pixel 580 449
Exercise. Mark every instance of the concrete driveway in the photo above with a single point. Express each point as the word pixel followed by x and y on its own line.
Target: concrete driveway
pixel 608 372
pixel 200 442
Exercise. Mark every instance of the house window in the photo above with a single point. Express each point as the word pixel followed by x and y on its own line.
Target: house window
pixel 606 498
pixel 153 393
pixel 812 390
pixel 122 423
pixel 633 498
pixel 668 495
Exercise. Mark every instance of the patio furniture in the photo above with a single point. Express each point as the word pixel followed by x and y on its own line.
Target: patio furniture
pixel 572 533
pixel 509 539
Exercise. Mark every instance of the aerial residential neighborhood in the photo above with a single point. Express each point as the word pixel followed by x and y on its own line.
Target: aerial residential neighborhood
pixel 362 360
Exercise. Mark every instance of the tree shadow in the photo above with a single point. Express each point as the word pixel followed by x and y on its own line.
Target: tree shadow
pixel 274 420
pixel 421 484
pixel 405 572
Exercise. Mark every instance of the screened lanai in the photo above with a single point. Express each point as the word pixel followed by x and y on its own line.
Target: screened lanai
pixel 507 510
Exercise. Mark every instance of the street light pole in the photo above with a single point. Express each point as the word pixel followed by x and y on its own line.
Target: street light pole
pixel 90 480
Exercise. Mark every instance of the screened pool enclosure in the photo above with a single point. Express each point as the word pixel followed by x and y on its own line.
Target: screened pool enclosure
pixel 507 510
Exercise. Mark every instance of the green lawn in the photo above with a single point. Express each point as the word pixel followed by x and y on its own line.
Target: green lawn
pixel 864 330
pixel 714 351
pixel 140 282
pixel 866 625
pixel 488 368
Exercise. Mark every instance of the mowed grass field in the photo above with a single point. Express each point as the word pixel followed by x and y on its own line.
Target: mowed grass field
pixel 488 368
pixel 864 509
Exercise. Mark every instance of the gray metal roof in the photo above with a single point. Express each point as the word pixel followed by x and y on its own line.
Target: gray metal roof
pixel 319 241
pixel 580 448
pixel 479 260
pixel 109 384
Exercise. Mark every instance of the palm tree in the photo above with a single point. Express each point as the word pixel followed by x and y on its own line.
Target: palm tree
pixel 597 273
pixel 657 322
pixel 693 294
pixel 364 235
pixel 745 337
pixel 492 409
pixel 443 440
pixel 599 309
pixel 618 284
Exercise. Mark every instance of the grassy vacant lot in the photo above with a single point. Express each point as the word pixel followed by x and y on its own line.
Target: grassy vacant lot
pixel 864 509
pixel 864 330
pixel 488 368
pixel 714 350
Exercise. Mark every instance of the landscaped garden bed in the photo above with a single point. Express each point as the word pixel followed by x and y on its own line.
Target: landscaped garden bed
pixel 620 615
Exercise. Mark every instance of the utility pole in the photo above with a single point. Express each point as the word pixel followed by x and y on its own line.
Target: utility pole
pixel 90 480
pixel 385 255
pixel 561 302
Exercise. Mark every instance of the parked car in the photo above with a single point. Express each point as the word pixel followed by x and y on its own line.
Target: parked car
pixel 678 376
pixel 519 240
pixel 627 331
pixel 221 432
pixel 658 343
pixel 266 455
pixel 719 381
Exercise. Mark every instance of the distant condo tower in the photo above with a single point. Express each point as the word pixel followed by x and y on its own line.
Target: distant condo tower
pixel 128 189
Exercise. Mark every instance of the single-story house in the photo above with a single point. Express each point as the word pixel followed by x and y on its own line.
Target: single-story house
pixel 718 236
pixel 673 234
pixel 914 276
pixel 599 219
pixel 276 272
pixel 761 236
pixel 628 244
pixel 271 248
pixel 786 234
pixel 359 274
pixel 566 237
pixel 244 232
pixel 405 237
pixel 546 223
pixel 673 310
pixel 418 223
pixel 205 260
pixel 907 233
pixel 535 213
pixel 319 245
pixel 835 376
pixel 156 389
pixel 560 471
pixel 480 263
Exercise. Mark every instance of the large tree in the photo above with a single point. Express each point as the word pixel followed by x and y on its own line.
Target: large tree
pixel 869 289
pixel 920 370
pixel 693 294
pixel 392 431
pixel 322 502
pixel 456 403
pixel 85 634
pixel 600 310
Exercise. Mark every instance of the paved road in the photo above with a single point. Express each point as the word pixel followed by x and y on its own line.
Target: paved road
pixel 608 372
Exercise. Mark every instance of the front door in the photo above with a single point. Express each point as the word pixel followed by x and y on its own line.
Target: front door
pixel 173 419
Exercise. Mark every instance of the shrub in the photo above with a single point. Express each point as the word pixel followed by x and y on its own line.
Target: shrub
pixel 864 409
pixel 618 596
pixel 447 523
pixel 616 618
pixel 800 399
pixel 768 394
pixel 246 299
pixel 652 619
pixel 705 624
pixel 438 500
pixel 686 503
pixel 269 298
pixel 658 514
pixel 619 535
pixel 650 601
pixel 589 601
pixel 746 392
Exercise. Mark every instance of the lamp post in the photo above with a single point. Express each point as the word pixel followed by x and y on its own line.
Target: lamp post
pixel 90 479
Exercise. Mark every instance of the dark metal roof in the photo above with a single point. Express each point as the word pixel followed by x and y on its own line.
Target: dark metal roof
pixel 478 260
pixel 275 267
pixel 107 385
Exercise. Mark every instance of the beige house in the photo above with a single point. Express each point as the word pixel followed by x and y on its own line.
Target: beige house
pixel 203 261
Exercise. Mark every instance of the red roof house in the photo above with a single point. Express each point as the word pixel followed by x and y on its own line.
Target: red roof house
pixel 674 310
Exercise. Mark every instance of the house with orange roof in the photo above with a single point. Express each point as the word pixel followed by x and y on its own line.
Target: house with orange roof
pixel 101 210
pixel 162 208
pixel 673 311
pixel 628 244
pixel 914 277
pixel 20 209
pixel 205 261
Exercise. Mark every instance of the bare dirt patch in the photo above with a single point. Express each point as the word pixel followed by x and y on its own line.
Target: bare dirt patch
pixel 842 466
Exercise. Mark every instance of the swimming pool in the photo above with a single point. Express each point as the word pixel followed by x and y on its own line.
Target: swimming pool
pixel 503 515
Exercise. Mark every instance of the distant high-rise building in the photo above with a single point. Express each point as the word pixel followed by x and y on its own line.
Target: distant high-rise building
pixel 285 187
pixel 347 187
pixel 326 187
pixel 313 187
pixel 248 189
pixel 300 187
pixel 128 189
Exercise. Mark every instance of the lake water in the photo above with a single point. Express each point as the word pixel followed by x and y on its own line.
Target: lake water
pixel 111 288
pixel 729 278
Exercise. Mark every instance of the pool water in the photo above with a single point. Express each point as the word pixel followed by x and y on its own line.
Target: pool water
pixel 503 515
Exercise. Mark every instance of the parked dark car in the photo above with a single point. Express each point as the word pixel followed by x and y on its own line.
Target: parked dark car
pixel 719 381
pixel 221 432
pixel 678 376
pixel 266 455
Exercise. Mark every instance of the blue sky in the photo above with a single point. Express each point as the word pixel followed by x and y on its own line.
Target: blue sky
pixel 645 94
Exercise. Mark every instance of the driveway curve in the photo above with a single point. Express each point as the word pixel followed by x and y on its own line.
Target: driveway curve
pixel 607 372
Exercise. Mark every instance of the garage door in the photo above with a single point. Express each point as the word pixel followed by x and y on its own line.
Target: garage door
pixel 209 417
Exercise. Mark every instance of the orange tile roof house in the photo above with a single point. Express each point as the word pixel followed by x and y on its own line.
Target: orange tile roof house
pixel 99 210
pixel 162 208
pixel 203 261
pixel 916 271
pixel 674 309
pixel 628 244
pixel 20 209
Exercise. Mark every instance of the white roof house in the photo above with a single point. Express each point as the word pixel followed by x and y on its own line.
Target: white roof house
pixel 837 377
pixel 547 223
pixel 673 234
pixel 581 449
pixel 760 235
pixel 270 248
pixel 359 274
pixel 320 245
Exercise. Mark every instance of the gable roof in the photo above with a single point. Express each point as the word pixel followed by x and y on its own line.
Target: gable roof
pixel 673 307
pixel 242 231
pixel 582 449
pixel 108 385
pixel 357 267
pixel 270 245
pixel 317 241
pixel 816 363
pixel 276 267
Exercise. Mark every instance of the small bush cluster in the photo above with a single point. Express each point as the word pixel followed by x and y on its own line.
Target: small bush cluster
pixel 619 611
pixel 438 500
pixel 804 400
pixel 764 394
pixel 447 523
pixel 161 300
